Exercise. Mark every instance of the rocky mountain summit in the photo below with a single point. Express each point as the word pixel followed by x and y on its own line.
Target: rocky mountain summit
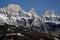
pixel 48 23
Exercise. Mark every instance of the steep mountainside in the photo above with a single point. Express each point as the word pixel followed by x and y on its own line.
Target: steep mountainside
pixel 48 23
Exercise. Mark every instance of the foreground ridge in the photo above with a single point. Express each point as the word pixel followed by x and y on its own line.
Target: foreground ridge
pixel 23 33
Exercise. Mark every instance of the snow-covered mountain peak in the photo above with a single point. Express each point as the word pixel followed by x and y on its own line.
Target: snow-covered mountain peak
pixel 13 8
pixel 13 12
pixel 33 12
pixel 49 13
pixel 3 10
pixel 50 16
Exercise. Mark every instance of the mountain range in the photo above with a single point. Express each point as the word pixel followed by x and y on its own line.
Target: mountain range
pixel 13 14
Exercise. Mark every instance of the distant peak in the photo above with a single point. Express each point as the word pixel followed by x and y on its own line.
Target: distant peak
pixel 49 13
pixel 33 9
pixel 13 8
pixel 33 12
pixel 13 5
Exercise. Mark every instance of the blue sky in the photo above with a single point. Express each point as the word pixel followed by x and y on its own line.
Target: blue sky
pixel 39 5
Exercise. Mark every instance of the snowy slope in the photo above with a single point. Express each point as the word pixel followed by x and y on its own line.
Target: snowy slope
pixel 14 12
pixel 50 16
pixel 14 15
pixel 33 13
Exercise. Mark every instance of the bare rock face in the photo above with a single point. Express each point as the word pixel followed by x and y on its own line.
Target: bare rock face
pixel 49 13
pixel 33 12
pixel 36 22
pixel 13 8
pixel 3 10
pixel 11 13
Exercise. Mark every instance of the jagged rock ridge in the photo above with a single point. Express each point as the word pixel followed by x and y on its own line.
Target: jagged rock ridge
pixel 48 23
